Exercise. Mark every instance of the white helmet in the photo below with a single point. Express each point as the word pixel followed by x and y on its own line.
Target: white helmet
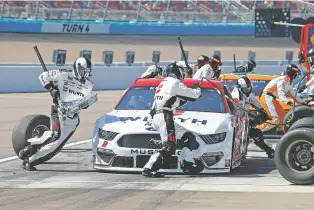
pixel 245 85
pixel 82 68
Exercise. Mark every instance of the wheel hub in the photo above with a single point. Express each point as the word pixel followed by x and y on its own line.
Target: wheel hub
pixel 304 156
pixel 299 155
pixel 39 131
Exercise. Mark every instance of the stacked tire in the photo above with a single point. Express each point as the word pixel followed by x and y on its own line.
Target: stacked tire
pixel 294 152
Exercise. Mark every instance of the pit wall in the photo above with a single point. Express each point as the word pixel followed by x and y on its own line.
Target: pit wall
pixel 24 77
pixel 126 28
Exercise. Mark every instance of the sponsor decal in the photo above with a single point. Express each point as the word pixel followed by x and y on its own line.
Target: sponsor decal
pixel 227 163
pixel 76 93
pixel 75 28
pixel 156 141
pixel 150 129
pixel 187 120
pixel 148 151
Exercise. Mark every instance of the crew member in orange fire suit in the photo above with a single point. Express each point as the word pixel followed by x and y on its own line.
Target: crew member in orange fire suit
pixel 278 89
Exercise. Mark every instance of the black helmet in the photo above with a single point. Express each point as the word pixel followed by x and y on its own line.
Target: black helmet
pixel 173 70
pixel 310 56
pixel 292 71
pixel 251 65
pixel 202 60
pixel 215 61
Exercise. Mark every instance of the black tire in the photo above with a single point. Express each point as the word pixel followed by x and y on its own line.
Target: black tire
pixel 307 122
pixel 299 113
pixel 293 175
pixel 24 129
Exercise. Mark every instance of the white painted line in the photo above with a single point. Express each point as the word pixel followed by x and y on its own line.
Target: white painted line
pixel 3 160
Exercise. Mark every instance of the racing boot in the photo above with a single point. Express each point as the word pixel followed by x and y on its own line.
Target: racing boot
pixel 27 152
pixel 192 168
pixel 150 173
pixel 269 151
pixel 27 166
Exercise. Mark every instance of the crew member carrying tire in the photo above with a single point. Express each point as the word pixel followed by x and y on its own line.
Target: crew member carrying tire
pixel 65 86
pixel 278 90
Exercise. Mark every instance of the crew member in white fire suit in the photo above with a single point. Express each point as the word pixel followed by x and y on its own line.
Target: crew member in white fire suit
pixel 211 68
pixel 276 91
pixel 153 71
pixel 170 94
pixel 64 85
pixel 243 96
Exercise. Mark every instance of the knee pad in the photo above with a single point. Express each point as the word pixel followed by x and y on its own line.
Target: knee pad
pixel 188 140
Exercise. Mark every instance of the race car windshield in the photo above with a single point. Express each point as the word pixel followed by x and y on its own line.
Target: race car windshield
pixel 258 85
pixel 142 98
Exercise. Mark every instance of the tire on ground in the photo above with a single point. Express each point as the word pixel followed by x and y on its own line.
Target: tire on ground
pixel 299 113
pixel 24 128
pixel 292 175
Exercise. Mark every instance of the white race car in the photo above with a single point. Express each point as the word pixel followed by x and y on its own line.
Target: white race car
pixel 124 139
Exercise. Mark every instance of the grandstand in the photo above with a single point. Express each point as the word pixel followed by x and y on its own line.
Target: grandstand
pixel 150 11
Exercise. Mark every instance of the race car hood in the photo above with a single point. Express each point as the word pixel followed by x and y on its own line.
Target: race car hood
pixel 126 121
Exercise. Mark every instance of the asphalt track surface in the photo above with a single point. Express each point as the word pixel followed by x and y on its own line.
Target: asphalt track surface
pixel 68 181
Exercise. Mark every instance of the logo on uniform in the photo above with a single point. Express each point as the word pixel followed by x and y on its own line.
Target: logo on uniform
pixel 65 89
pixel 70 78
pixel 66 83
pixel 155 141
pixel 76 93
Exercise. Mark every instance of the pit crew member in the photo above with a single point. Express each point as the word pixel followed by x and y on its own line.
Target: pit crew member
pixel 278 90
pixel 243 96
pixel 169 95
pixel 153 71
pixel 210 69
pixel 307 90
pixel 249 67
pixel 64 85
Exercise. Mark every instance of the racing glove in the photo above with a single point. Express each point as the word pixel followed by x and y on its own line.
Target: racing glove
pixel 188 71
pixel 152 112
pixel 290 103
pixel 55 94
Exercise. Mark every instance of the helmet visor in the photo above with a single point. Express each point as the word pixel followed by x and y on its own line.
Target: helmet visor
pixel 83 72
pixel 247 90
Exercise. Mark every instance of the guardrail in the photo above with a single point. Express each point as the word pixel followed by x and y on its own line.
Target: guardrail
pixel 24 78
pixel 143 28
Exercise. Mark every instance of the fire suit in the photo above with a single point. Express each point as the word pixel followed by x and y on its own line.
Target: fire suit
pixel 205 71
pixel 170 94
pixel 62 126
pixel 256 134
pixel 278 89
